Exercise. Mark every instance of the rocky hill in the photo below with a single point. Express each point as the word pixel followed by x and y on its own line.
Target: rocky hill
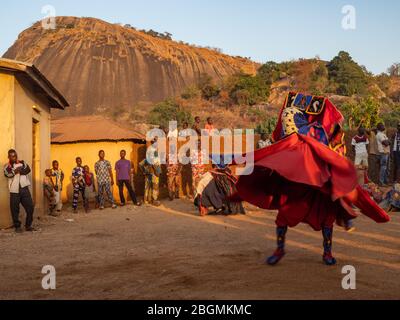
pixel 101 66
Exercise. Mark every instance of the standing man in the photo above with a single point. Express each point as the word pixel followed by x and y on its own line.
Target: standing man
pixel 264 141
pixel 79 185
pixel 124 172
pixel 396 154
pixel 16 171
pixel 384 152
pixel 174 169
pixel 105 180
pixel 49 192
pixel 360 147
pixel 151 169
pixel 373 159
pixel 58 174
pixel 197 126
pixel 185 132
pixel 209 126
pixel 197 161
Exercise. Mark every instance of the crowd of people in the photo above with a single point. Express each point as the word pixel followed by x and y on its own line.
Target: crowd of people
pixel 377 159
pixel 91 187
pixel 96 188
pixel 211 186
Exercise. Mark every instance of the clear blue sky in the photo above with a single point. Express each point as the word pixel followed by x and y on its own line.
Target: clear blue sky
pixel 261 29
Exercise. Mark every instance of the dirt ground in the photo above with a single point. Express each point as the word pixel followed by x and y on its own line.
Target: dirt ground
pixel 170 253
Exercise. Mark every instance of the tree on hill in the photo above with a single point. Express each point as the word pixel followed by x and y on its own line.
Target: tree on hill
pixel 248 90
pixel 349 77
pixel 272 71
pixel 391 118
pixel 319 79
pixel 268 125
pixel 365 112
pixel 207 87
pixel 169 110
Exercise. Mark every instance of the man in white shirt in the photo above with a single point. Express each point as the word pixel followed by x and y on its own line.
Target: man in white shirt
pixel 264 141
pixel 360 146
pixel 384 152
pixel 16 171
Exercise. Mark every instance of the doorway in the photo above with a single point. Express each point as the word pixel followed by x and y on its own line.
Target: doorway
pixel 35 159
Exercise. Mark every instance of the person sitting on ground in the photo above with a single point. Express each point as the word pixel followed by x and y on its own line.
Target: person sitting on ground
pixel 49 192
pixel 391 199
pixel 215 189
pixel 264 141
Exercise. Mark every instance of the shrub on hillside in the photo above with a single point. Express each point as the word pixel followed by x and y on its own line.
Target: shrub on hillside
pixel 272 71
pixel 191 92
pixel 348 77
pixel 267 126
pixel 392 118
pixel 248 90
pixel 169 110
pixel 207 87
pixel 365 112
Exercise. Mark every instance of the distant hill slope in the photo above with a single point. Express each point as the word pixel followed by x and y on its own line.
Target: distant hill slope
pixel 101 66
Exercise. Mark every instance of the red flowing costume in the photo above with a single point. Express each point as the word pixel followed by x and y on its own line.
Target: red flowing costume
pixel 306 180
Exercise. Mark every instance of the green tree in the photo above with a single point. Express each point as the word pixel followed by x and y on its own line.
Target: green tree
pixel 248 90
pixel 270 72
pixel 191 92
pixel 267 126
pixel 392 118
pixel 349 77
pixel 169 110
pixel 365 112
pixel 207 87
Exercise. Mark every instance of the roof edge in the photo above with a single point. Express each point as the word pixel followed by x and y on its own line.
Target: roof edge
pixel 36 76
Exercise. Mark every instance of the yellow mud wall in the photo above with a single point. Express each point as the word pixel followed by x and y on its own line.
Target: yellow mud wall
pixel 66 154
pixel 29 109
pixel 7 141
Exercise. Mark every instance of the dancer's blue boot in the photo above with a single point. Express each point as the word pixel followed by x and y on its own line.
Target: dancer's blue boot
pixel 327 233
pixel 280 251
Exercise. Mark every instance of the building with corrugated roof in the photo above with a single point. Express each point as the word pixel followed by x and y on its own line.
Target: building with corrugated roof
pixel 84 137
pixel 26 98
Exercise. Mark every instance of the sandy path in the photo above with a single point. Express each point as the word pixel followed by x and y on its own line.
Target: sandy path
pixel 170 253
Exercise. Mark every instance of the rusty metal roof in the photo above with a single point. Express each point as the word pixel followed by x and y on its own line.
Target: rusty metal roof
pixel 90 129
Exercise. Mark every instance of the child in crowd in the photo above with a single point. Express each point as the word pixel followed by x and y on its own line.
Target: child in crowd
pixel 78 183
pixel 58 175
pixel 90 187
pixel 49 191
